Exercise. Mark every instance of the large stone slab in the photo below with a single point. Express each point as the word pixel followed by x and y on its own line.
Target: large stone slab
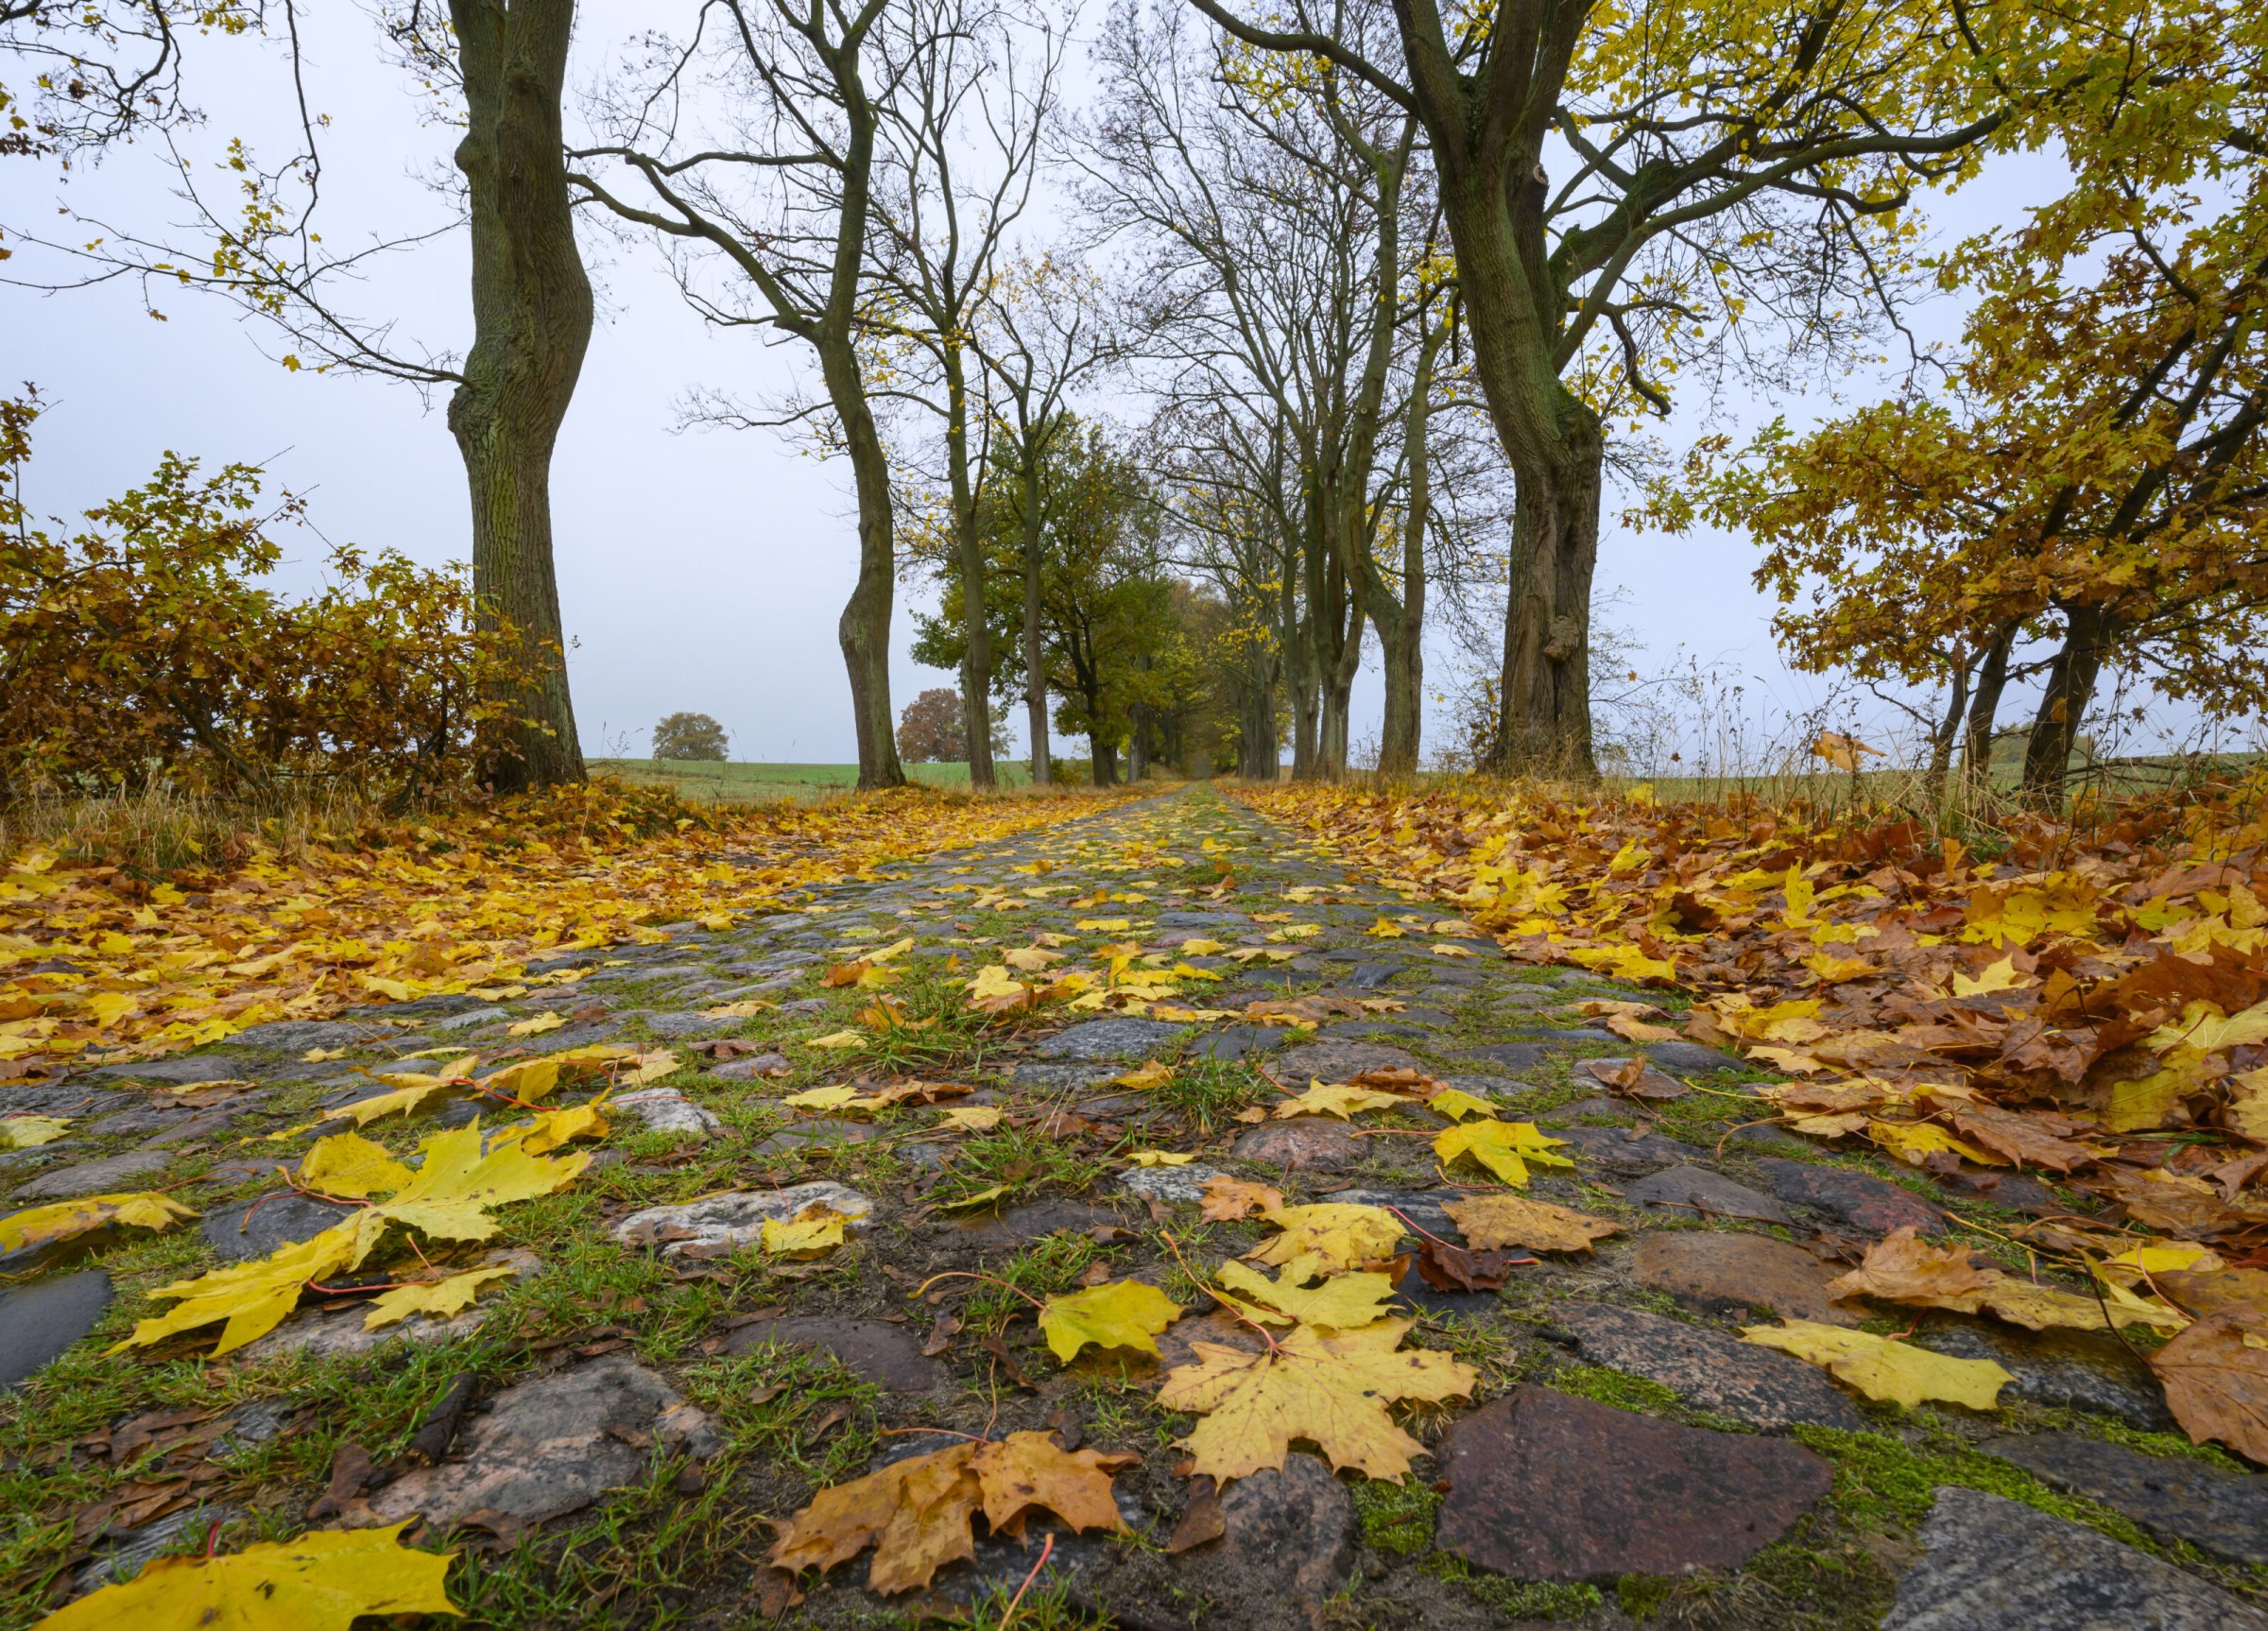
pixel 109 1175
pixel 1991 1564
pixel 1271 1549
pixel 1109 1040
pixel 1543 1485
pixel 1304 1142
pixel 297 1036
pixel 1711 1369
pixel 1691 1058
pixel 1174 1186
pixel 1338 1061
pixel 720 1224
pixel 254 1229
pixel 39 1321
pixel 2174 1497
pixel 552 1445
pixel 1698 1192
pixel 1738 1274
pixel 888 1355
pixel 1625 1150
pixel 1859 1201
pixel 667 1110
pixel 2067 1369
pixel 178 1071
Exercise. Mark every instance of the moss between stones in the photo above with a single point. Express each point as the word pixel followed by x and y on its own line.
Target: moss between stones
pixel 1613 1387
pixel 1396 1520
pixel 1885 1484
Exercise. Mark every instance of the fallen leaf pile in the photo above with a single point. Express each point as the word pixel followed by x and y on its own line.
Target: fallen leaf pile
pixel 97 963
pixel 2089 1002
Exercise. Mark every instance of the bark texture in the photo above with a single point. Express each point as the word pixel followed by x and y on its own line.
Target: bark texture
pixel 531 326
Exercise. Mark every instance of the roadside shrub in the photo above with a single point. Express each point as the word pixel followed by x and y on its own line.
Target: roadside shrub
pixel 146 648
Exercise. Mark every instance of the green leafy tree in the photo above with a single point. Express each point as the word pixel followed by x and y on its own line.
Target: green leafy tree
pixel 689 736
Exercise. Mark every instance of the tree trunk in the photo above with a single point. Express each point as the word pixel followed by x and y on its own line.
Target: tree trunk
pixel 2090 632
pixel 1035 673
pixel 1401 619
pixel 977 655
pixel 863 631
pixel 1138 745
pixel 1105 757
pixel 1544 725
pixel 1983 707
pixel 531 325
pixel 1948 732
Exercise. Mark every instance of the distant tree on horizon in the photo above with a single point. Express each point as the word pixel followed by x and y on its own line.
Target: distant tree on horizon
pixel 689 736
pixel 930 730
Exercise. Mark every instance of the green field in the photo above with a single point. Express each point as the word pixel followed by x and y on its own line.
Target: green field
pixel 752 783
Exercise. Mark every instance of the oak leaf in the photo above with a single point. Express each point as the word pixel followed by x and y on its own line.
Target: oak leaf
pixel 1332 1388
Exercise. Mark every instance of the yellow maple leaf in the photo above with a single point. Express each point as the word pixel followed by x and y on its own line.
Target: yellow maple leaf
pixel 970 1118
pixel 1202 948
pixel 1490 1221
pixel 555 1129
pixel 1914 1141
pixel 546 1020
pixel 527 1081
pixel 1883 1367
pixel 253 1297
pixel 441 1299
pixel 1339 1099
pixel 1333 1388
pixel 1118 1313
pixel 1456 1104
pixel 352 1165
pixel 1332 1236
pixel 1030 959
pixel 30 1132
pixel 828 1098
pixel 1343 1302
pixel 1154 1075
pixel 838 1040
pixel 324 1581
pixel 67 1220
pixel 814 1229
pixel 1505 1148
pixel 1999 976
pixel 1385 930
pixel 1159 1159
pixel 109 1007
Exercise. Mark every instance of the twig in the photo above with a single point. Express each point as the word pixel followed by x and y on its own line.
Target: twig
pixel 1045 1550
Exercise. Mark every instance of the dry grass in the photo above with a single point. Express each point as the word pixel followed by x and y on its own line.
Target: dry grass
pixel 157 829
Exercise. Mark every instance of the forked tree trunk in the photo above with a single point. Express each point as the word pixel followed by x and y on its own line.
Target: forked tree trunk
pixel 977 655
pixel 863 631
pixel 1546 700
pixel 2090 632
pixel 531 325
pixel 1984 708
pixel 1035 672
pixel 1401 619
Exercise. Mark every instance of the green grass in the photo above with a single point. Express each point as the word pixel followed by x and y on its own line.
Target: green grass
pixel 740 784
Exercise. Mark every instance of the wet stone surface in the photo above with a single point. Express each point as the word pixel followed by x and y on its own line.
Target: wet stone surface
pixel 1870 1205
pixel 1738 1274
pixel 40 1322
pixel 1991 1564
pixel 1543 1485
pixel 1699 1193
pixel 2222 1513
pixel 1712 1370
pixel 2067 1369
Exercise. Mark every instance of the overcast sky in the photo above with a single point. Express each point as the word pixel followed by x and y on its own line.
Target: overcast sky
pixel 698 569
